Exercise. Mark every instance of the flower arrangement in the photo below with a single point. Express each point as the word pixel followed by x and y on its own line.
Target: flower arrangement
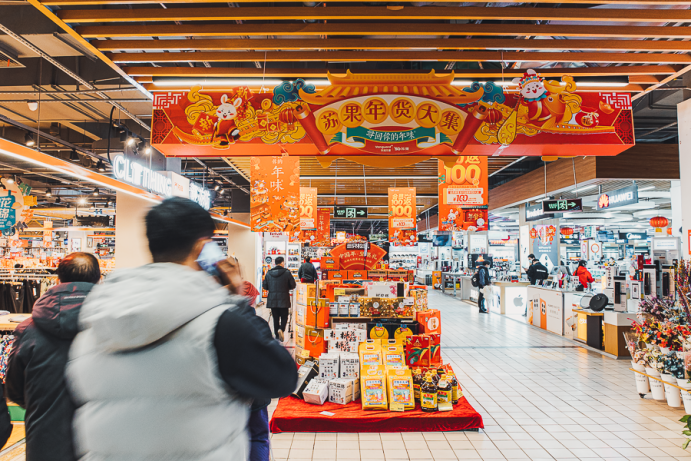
pixel 674 365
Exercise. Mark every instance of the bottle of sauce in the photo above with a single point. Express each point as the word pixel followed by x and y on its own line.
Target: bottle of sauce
pixel 417 382
pixel 455 389
pixel 428 395
pixel 435 377
pixel 444 390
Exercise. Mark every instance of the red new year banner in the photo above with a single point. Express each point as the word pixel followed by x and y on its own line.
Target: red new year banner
pixel 319 237
pixel 402 216
pixel 275 194
pixel 351 256
pixel 463 194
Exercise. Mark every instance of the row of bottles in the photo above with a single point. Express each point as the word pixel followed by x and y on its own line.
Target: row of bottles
pixel 435 388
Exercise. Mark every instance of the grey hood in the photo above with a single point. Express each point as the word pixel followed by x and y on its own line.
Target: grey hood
pixel 133 308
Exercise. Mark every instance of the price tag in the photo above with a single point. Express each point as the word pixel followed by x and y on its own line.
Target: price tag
pixel 396 407
pixel 327 413
pixel 464 196
pixel 305 354
pixel 339 291
pixel 444 406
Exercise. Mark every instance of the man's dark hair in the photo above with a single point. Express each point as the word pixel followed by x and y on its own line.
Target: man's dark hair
pixel 486 263
pixel 173 228
pixel 307 259
pixel 79 267
pixel 279 260
pixel 531 256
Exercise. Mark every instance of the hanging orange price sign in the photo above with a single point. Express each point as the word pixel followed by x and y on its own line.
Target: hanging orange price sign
pixel 402 216
pixel 463 194
pixel 308 208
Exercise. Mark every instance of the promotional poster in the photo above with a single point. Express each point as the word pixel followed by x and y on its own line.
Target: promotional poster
pixel 275 194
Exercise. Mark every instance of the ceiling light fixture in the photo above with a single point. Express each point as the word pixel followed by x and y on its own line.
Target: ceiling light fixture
pixel 96 192
pixel 29 139
pixel 10 180
pixel 33 105
pixel 147 150
pixel 58 200
pixel 82 201
pixel 130 141
pixel 219 82
pixel 647 188
pixel 100 166
pixel 74 156
pixel 217 187
pixel 49 193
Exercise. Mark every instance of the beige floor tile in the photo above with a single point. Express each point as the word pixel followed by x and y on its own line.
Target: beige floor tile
pixel 419 454
pixel 372 453
pixel 395 454
pixel 347 454
pixel 324 455
pixel 325 445
pixel 443 454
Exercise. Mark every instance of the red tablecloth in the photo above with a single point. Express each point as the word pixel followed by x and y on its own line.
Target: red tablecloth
pixel 294 415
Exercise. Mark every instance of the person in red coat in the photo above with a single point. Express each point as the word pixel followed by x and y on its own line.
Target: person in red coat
pixel 583 273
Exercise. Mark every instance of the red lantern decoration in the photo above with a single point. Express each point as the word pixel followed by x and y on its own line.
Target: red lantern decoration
pixel 533 233
pixel 288 117
pixel 567 231
pixel 669 231
pixel 658 222
pixel 494 116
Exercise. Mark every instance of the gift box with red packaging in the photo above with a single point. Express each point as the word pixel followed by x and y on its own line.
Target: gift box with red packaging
pixel 435 356
pixel 418 351
pixel 430 321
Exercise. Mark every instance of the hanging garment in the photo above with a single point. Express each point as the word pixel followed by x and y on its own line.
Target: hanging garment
pixel 7 298
pixel 6 345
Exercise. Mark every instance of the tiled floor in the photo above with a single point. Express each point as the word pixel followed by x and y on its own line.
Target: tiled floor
pixel 541 397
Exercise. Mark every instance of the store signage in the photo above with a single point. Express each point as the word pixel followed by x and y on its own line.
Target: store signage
pixel 275 194
pixel 503 242
pixel 632 235
pixel 569 241
pixel 619 197
pixel 463 194
pixel 590 232
pixel 134 173
pixel 376 237
pixel 358 245
pixel 308 208
pixel 661 244
pixel 354 212
pixel 200 195
pixel 535 212
pixel 559 206
pixel 180 185
pixel 402 216
pixel 392 114
pixel 8 216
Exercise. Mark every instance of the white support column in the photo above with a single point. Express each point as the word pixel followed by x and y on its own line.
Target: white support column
pixel 685 156
pixel 131 247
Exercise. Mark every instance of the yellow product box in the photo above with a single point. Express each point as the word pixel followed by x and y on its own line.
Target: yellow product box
pixel 301 312
pixel 305 293
pixel 302 356
pixel 400 388
pixel 393 356
pixel 373 388
pixel 370 353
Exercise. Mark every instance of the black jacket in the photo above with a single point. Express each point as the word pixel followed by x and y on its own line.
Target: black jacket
pixel 278 282
pixel 36 371
pixel 251 361
pixel 483 276
pixel 308 272
pixel 537 271
pixel 5 422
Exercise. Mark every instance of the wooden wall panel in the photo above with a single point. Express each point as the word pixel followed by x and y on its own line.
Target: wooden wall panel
pixel 643 161
pixel 532 185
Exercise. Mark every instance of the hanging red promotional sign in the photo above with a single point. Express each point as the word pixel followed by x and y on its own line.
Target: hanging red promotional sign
pixel 402 216
pixel 308 208
pixel 275 194
pixel 352 256
pixel 319 237
pixel 463 194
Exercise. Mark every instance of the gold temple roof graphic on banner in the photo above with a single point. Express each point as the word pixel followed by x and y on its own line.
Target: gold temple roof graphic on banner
pixel 428 85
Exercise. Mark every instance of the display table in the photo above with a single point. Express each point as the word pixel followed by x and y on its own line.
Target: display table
pixel 614 325
pixel 508 298
pixel 467 288
pixel 294 415
pixel 421 276
pixel 590 327
pixel 549 309
pixel 454 277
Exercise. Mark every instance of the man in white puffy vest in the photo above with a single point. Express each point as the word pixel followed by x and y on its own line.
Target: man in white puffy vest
pixel 168 361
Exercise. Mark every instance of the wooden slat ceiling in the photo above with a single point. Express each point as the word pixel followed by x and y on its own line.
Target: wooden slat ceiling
pixel 645 40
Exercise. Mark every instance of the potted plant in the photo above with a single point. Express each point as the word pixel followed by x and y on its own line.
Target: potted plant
pixel 653 369
pixel 673 368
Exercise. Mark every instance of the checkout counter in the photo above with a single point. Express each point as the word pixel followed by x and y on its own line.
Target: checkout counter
pixel 508 298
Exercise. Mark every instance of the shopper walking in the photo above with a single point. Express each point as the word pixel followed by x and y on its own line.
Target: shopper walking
pixel 483 281
pixel 279 282
pixel 584 275
pixel 36 367
pixel 307 272
pixel 167 360
pixel 258 423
